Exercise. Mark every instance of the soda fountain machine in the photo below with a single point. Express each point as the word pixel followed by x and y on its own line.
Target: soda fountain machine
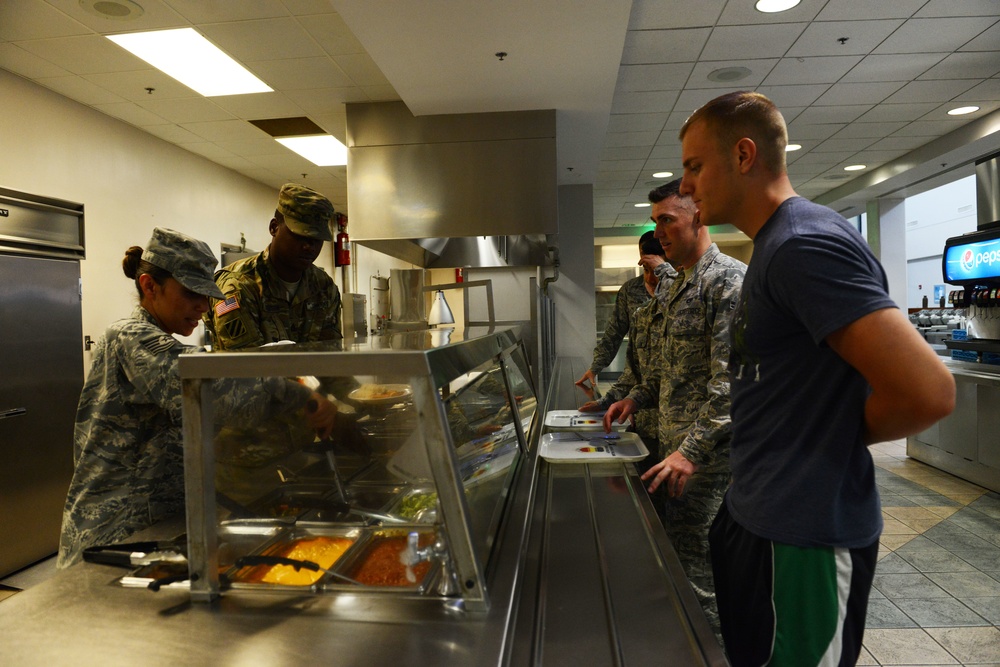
pixel 972 263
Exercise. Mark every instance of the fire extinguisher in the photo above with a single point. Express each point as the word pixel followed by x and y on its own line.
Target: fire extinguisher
pixel 342 244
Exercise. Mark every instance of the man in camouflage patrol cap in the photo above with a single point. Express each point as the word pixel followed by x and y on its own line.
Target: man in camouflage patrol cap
pixel 689 382
pixel 278 294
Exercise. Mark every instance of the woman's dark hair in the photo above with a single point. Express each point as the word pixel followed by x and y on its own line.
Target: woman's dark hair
pixel 134 266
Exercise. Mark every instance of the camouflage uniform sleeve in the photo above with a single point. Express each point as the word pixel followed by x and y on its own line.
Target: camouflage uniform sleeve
pixel 149 361
pixel 712 425
pixel 614 333
pixel 332 330
pixel 235 322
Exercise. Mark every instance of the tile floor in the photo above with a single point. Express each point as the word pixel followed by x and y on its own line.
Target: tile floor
pixel 936 598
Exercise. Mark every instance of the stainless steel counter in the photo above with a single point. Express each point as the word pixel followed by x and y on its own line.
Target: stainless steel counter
pixel 965 442
pixel 583 574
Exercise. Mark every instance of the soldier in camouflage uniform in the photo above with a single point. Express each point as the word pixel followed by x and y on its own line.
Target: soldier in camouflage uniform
pixel 690 385
pixel 128 454
pixel 278 294
pixel 644 336
pixel 631 296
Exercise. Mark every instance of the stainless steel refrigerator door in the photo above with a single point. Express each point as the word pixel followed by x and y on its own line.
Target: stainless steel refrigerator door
pixel 41 374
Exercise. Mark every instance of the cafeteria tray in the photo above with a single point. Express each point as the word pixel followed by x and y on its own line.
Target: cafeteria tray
pixel 590 447
pixel 581 421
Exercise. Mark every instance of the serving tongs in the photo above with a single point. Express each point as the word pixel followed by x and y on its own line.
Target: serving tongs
pixel 141 554
pixel 136 554
pixel 252 561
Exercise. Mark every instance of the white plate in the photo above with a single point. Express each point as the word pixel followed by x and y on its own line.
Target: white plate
pixel 380 394
pixel 589 447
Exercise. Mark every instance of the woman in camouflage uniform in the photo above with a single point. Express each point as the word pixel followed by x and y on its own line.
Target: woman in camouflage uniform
pixel 128 453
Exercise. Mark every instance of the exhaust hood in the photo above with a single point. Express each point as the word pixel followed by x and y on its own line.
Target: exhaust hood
pixel 452 190
pixel 988 192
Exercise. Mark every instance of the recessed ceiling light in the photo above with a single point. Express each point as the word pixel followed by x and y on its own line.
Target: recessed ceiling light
pixel 793 147
pixel 117 10
pixel 322 150
pixel 729 74
pixel 772 6
pixel 193 60
pixel 646 205
pixel 961 111
pixel 855 167
pixel 663 174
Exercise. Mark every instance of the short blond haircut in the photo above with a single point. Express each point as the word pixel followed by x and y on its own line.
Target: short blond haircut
pixel 733 116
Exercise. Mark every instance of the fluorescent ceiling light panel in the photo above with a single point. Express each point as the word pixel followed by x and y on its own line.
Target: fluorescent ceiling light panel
pixel 322 151
pixel 193 60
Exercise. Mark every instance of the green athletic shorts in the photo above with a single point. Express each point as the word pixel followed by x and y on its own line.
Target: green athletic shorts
pixel 784 606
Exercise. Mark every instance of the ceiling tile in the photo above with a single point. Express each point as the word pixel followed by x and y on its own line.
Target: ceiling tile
pixel 260 145
pixel 793 96
pixel 656 14
pixel 836 145
pixel 625 153
pixel 976 65
pixel 17 60
pixel 892 67
pixel 869 130
pixel 618 139
pixel 254 41
pixel 664 46
pixel 758 70
pixel 897 112
pixel 194 110
pixel 642 102
pixel 333 35
pixel 361 69
pixel 130 112
pixel 928 128
pixel 132 85
pixel 826 69
pixel 944 8
pixel 930 91
pixel 301 73
pixel 155 16
pixel 653 77
pixel 31 19
pixel 853 10
pixel 637 122
pixel 199 11
pixel 259 105
pixel 80 89
pixel 739 12
pixel 985 91
pixel 833 114
pixel 611 166
pixel 223 130
pixel 751 41
pixel 823 39
pixel 86 54
pixel 858 93
pixel 988 40
pixel 800 132
pixel 325 99
pixel 175 134
pixel 207 149
pixel 931 35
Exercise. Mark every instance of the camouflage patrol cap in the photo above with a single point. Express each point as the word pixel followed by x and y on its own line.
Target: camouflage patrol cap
pixel 306 212
pixel 189 261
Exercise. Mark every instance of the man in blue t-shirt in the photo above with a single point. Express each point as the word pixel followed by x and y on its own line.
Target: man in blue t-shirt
pixel 823 364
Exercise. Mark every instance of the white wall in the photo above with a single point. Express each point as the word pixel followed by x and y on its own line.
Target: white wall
pixel 932 218
pixel 128 182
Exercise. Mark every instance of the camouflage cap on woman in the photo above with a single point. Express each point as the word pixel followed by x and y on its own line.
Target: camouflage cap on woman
pixel 189 261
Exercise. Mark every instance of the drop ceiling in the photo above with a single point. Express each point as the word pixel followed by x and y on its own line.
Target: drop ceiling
pixel 859 81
